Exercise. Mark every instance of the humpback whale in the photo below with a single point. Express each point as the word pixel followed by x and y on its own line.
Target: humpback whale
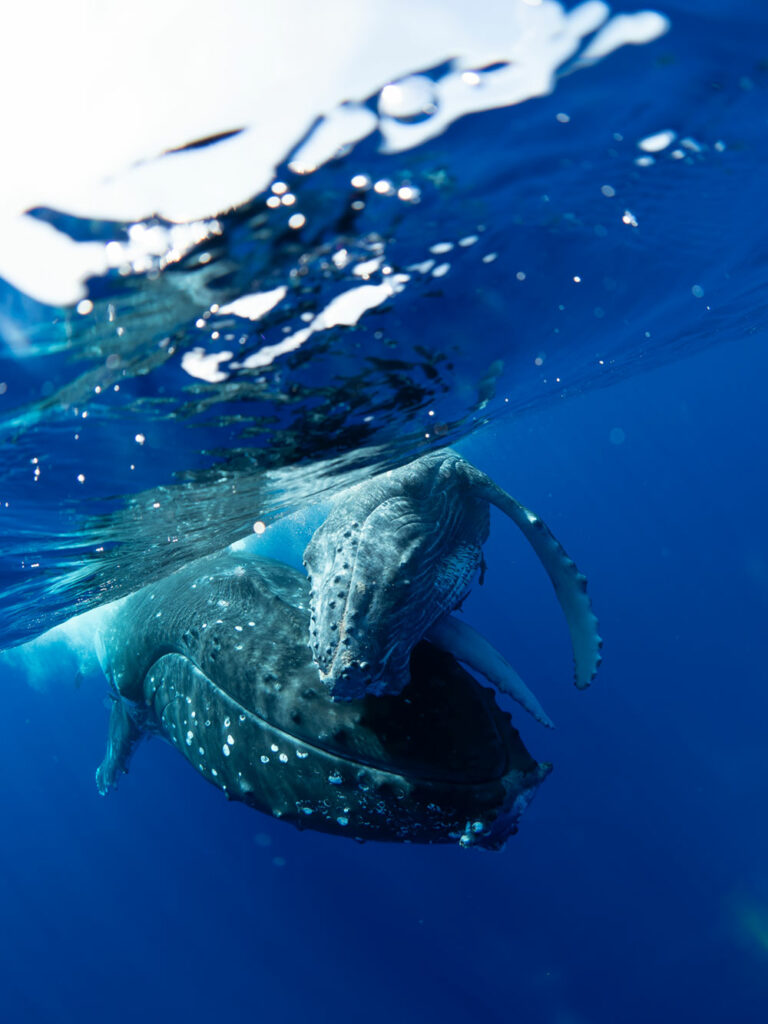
pixel 397 554
pixel 216 660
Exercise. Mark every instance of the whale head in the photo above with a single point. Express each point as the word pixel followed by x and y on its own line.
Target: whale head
pixel 394 555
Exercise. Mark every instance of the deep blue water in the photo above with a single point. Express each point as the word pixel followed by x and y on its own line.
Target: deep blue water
pixel 637 888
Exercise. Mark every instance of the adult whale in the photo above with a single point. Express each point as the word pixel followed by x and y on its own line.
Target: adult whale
pixel 215 659
pixel 396 555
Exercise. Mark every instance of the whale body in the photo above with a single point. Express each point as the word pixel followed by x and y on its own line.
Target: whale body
pixel 216 660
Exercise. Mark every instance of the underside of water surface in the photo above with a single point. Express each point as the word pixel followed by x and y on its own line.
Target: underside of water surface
pixel 472 241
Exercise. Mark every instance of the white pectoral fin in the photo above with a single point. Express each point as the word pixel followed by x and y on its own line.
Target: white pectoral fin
pixel 570 585
pixel 472 648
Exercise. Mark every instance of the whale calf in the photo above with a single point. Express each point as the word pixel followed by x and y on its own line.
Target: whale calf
pixel 397 554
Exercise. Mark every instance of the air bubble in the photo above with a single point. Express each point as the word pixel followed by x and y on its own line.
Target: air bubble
pixel 412 98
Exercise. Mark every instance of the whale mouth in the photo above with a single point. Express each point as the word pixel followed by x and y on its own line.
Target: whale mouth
pixel 413 766
pixel 444 726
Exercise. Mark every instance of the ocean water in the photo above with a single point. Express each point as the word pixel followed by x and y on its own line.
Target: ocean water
pixel 595 343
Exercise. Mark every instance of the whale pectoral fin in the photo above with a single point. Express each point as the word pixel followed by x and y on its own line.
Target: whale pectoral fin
pixel 123 735
pixel 570 585
pixel 472 648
